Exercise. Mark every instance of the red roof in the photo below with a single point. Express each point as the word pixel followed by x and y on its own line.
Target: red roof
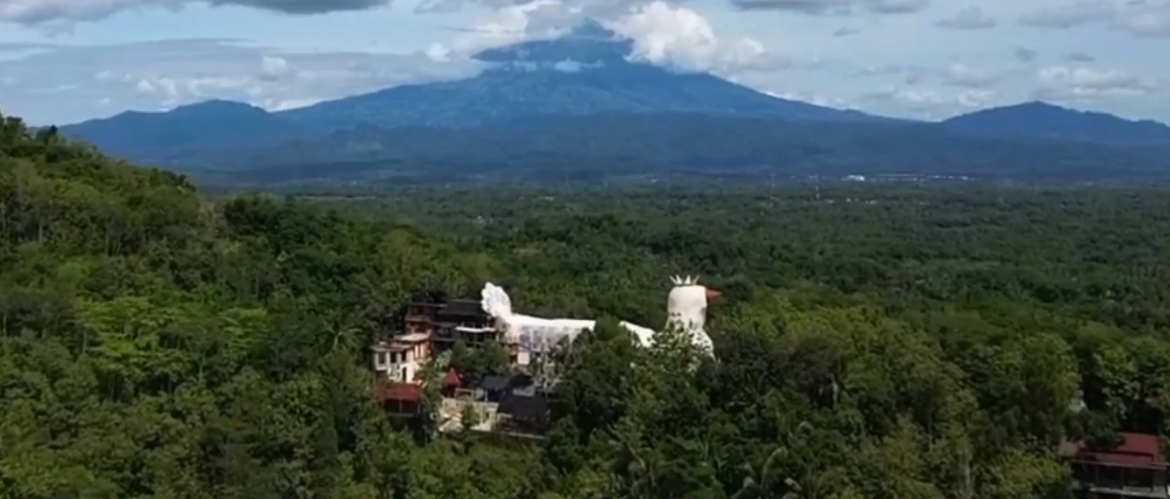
pixel 401 392
pixel 452 378
pixel 1138 451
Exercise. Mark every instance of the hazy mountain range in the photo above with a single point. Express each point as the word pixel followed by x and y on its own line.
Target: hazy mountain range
pixel 577 108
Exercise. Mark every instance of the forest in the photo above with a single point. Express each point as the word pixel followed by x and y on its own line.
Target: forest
pixel 872 341
pixel 625 146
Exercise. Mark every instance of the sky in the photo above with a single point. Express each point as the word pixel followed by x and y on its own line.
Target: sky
pixel 63 61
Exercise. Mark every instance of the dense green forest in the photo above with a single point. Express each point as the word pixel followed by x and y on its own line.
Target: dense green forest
pixel 624 147
pixel 872 341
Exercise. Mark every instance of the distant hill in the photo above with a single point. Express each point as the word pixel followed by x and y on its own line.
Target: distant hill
pixel 613 146
pixel 1039 119
pixel 582 73
pixel 158 136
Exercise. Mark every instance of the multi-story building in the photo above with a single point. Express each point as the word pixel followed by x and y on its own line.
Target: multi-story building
pixel 401 358
pixel 430 329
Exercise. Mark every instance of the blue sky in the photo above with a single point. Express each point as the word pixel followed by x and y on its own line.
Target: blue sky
pixel 63 61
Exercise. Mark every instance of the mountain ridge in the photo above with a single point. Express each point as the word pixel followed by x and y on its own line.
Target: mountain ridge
pixel 620 146
pixel 1042 119
pixel 530 114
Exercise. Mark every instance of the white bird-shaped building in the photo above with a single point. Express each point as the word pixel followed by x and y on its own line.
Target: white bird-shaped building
pixel 686 308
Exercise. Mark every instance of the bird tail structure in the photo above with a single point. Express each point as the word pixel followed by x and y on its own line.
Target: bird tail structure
pixel 495 302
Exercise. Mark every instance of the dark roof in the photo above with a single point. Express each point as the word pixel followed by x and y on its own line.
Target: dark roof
pixel 463 307
pixel 524 407
pixel 1139 450
pixel 495 383
pixel 522 379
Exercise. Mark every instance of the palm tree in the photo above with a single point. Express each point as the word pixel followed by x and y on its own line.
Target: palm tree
pixel 757 480
pixel 431 376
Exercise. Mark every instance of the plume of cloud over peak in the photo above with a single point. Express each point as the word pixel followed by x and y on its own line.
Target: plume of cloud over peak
pixel 661 33
pixel 680 37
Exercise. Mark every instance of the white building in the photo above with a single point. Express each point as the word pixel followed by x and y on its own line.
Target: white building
pixel 401 358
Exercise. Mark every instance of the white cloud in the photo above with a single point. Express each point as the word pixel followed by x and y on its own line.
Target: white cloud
pixel 930 103
pixel 835 7
pixel 677 36
pixel 1136 17
pixel 153 74
pixel 59 14
pixel 1145 19
pixel 1071 15
pixel 971 17
pixel 1079 83
pixel 962 75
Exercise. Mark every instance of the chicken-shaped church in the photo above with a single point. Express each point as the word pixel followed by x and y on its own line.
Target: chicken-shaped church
pixel 686 308
pixel 432 328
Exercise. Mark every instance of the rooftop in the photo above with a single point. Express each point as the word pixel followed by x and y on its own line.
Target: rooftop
pixel 386 346
pixel 531 408
pixel 451 379
pixel 1139 450
pixel 495 383
pixel 397 392
pixel 412 338
pixel 463 307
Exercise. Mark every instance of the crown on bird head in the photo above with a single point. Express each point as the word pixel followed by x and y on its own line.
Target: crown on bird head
pixel 687 281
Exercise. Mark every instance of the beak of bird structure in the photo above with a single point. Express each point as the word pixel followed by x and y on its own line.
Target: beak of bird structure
pixel 713 293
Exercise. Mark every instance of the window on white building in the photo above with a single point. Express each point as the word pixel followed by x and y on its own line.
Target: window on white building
pixel 381 359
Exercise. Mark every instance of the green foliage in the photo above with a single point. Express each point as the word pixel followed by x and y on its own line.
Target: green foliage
pixel 475 363
pixel 910 343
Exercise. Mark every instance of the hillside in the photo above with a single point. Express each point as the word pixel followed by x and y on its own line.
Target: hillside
pixel 871 342
pixel 1039 119
pixel 600 147
pixel 156 136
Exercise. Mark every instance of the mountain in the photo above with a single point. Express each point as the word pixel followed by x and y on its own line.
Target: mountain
pixel 577 107
pixel 1039 119
pixel 584 72
pixel 150 137
pixel 581 73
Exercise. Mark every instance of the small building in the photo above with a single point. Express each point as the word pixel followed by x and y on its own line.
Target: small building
pixel 401 358
pixel 398 399
pixel 524 407
pixel 451 383
pixel 495 387
pixel 1135 469
pixel 527 412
